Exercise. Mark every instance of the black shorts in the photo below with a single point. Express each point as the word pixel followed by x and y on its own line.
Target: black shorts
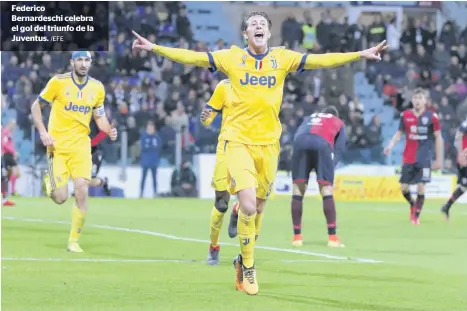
pixel 4 171
pixel 462 175
pixel 415 174
pixel 9 160
pixel 96 162
pixel 312 153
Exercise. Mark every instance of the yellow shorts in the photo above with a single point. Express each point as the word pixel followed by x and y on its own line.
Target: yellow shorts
pixel 63 165
pixel 252 166
pixel 219 177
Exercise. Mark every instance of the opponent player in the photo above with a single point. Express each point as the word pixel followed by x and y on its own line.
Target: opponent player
pixel 5 180
pixel 218 104
pixel 251 146
pixel 10 155
pixel 97 155
pixel 319 144
pixel 74 97
pixel 461 145
pixel 422 131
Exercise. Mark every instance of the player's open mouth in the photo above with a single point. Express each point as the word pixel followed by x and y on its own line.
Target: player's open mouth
pixel 259 35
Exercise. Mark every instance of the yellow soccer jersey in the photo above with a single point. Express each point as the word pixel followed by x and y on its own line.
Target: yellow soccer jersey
pixel 257 89
pixel 72 106
pixel 218 103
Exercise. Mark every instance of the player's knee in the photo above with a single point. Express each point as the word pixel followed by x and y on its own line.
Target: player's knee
pixel 404 187
pixel 222 201
pixel 260 204
pixel 298 188
pixel 421 189
pixel 247 200
pixel 326 190
pixel 60 196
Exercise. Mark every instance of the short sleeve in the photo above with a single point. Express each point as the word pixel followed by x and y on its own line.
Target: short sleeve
pixel 99 109
pixel 401 123
pixel 49 93
pixel 221 60
pixel 435 120
pixel 294 61
pixel 100 96
pixel 216 102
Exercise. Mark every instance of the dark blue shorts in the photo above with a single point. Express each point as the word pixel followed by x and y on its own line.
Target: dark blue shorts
pixel 96 162
pixel 415 173
pixel 312 153
pixel 462 175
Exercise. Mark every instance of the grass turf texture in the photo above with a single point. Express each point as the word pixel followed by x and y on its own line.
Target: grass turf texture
pixel 423 268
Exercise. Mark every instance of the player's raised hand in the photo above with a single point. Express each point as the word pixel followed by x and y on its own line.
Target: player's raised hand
pixel 374 53
pixel 113 133
pixel 205 114
pixel 46 139
pixel 141 43
pixel 436 165
pixel 386 151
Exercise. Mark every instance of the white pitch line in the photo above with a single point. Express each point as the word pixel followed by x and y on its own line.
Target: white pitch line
pixel 173 237
pixel 322 260
pixel 101 260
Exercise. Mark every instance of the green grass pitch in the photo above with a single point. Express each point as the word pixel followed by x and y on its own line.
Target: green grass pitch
pixel 150 255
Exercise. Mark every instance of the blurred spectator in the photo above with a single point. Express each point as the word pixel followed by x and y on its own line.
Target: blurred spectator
pixel 291 32
pixel 151 144
pixel 393 35
pixel 184 25
pixel 9 154
pixel 377 30
pixel 184 181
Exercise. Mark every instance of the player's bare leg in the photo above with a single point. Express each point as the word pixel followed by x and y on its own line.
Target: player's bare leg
pixel 419 204
pixel 329 209
pixel 298 191
pixel 58 195
pixel 221 204
pixel 246 234
pixel 78 214
pixel 406 193
pixel 455 195
pixel 100 182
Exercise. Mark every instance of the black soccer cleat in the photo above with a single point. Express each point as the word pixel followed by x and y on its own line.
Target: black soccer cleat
pixel 445 211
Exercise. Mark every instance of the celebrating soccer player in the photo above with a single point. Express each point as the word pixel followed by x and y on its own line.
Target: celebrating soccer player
pixel 422 131
pixel 257 75
pixel 319 144
pixel 73 97
pixel 218 103
pixel 461 146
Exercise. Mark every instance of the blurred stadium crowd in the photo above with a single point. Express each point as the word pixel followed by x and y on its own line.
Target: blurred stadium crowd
pixel 142 87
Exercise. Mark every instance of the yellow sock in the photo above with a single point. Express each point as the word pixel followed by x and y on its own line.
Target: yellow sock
pixel 77 222
pixel 216 223
pixel 246 233
pixel 258 223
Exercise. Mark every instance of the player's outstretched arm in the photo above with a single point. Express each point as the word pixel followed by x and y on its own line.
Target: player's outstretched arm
pixel 394 140
pixel 340 145
pixel 330 60
pixel 183 56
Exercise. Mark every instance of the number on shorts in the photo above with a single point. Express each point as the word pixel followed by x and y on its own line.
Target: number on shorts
pixel 426 173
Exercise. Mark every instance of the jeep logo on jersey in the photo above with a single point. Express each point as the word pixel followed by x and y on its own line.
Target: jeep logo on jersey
pixel 76 108
pixel 268 81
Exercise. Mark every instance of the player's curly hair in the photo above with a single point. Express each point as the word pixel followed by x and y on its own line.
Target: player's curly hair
pixel 331 110
pixel 254 13
pixel 422 91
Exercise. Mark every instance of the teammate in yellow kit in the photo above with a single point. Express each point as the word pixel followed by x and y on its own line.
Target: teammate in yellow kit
pixel 73 97
pixel 257 75
pixel 218 103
